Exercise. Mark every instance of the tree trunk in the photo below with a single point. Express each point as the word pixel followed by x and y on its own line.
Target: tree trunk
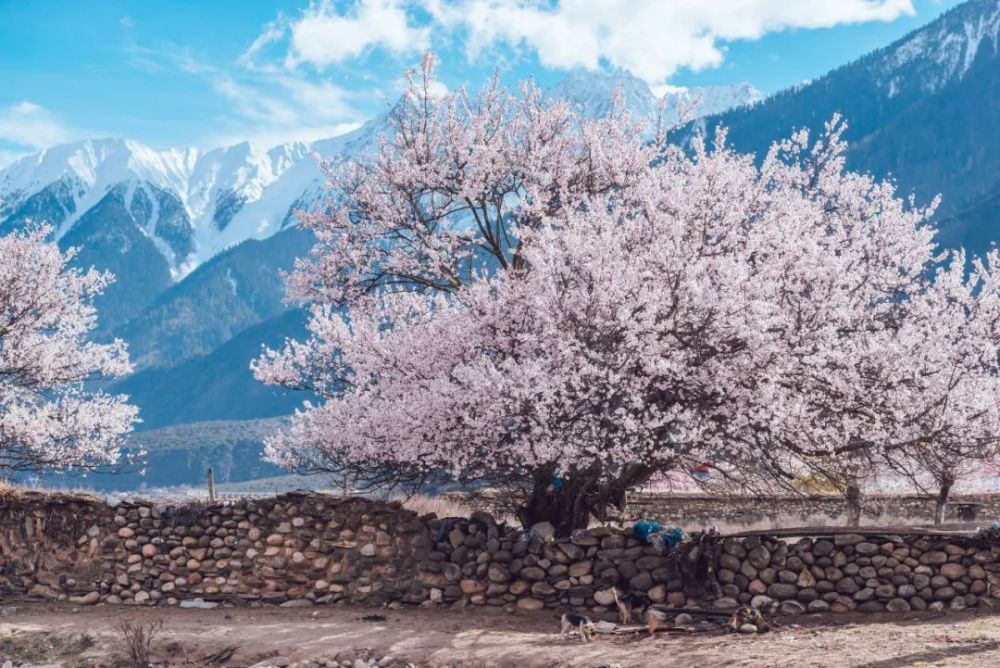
pixel 562 502
pixel 944 491
pixel 854 503
pixel 570 500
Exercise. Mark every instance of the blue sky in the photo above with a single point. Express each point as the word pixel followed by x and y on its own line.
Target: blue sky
pixel 204 74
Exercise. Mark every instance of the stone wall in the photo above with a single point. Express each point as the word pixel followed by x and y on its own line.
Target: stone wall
pixel 869 573
pixel 693 511
pixel 298 550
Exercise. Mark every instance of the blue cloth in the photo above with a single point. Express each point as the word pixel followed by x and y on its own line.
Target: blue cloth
pixel 673 537
pixel 645 530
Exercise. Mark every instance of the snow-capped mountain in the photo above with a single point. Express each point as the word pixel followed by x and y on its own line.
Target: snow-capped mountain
pixel 188 205
pixel 700 101
pixel 922 110
pixel 152 217
pixel 590 94
pixel 941 52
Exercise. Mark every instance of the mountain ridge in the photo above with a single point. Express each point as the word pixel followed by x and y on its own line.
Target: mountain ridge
pixel 199 238
pixel 921 111
pixel 230 194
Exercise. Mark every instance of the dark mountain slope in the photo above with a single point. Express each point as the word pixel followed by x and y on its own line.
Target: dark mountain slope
pixel 219 385
pixel 924 110
pixel 236 289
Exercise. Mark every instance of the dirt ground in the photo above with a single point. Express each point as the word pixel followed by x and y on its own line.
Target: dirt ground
pixel 489 638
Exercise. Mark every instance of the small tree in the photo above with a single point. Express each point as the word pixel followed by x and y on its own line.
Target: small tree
pixel 48 419
pixel 949 339
pixel 566 308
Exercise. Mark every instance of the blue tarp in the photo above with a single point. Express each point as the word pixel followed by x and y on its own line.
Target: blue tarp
pixel 645 530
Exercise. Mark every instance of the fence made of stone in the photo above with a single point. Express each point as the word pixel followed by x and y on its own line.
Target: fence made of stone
pixel 697 511
pixel 869 573
pixel 308 549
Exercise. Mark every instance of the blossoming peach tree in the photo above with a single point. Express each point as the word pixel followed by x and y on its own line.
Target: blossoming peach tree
pixel 508 294
pixel 48 418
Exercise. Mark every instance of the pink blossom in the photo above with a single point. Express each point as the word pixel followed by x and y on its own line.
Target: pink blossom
pixel 47 417
pixel 533 295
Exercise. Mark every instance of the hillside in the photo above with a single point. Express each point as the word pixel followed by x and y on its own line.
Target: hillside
pixel 922 110
pixel 237 289
pixel 217 385
pixel 181 455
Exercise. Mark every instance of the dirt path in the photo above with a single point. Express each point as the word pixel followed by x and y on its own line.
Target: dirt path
pixel 494 638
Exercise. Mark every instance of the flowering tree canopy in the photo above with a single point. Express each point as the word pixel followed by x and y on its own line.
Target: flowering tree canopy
pixel 568 307
pixel 47 418
pixel 949 339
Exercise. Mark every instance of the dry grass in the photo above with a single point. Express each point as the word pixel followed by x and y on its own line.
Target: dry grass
pixel 12 490
pixel 453 505
pixel 442 506
pixel 38 648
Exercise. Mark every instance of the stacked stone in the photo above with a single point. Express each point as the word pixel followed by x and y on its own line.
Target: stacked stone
pixel 294 550
pixel 848 572
pixel 793 510
pixel 42 553
pixel 480 563
pixel 306 549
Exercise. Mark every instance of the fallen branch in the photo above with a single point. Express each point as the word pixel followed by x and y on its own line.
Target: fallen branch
pixel 221 656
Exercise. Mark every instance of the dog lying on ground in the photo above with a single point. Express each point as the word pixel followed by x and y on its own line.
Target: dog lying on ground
pixel 633 603
pixel 582 625
pixel 747 615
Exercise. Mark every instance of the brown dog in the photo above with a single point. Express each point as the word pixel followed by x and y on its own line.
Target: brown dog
pixel 629 604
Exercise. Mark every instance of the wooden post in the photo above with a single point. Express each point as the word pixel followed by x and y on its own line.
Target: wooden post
pixel 854 503
pixel 211 484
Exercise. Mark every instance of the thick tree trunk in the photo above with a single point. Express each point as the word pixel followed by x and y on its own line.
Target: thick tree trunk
pixel 570 500
pixel 944 491
pixel 854 504
pixel 563 502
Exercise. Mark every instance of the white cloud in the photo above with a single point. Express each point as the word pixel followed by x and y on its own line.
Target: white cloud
pixel 322 36
pixel 304 76
pixel 273 32
pixel 9 157
pixel 650 38
pixel 31 125
pixel 437 88
pixel 274 108
pixel 266 104
pixel 667 89
pixel 265 135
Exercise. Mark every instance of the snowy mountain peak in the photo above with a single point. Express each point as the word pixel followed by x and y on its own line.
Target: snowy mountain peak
pixel 93 161
pixel 590 94
pixel 942 51
pixel 702 101
pixel 215 198
pixel 193 204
